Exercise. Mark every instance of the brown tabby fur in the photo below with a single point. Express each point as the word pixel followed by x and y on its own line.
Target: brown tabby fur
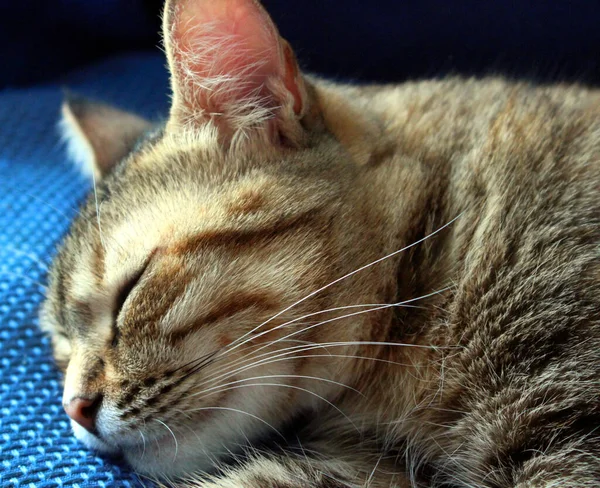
pixel 492 379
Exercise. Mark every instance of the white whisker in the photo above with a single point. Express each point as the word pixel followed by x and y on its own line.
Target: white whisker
pixel 274 356
pixel 377 307
pixel 381 307
pixel 294 387
pixel 23 277
pixel 174 438
pixel 268 361
pixel 278 376
pixel 60 212
pixel 198 409
pixel 341 279
pixel 143 443
pixel 368 482
pixel 34 257
pixel 97 210
pixel 353 315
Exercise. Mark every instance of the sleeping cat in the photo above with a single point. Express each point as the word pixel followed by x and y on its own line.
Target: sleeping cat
pixel 297 283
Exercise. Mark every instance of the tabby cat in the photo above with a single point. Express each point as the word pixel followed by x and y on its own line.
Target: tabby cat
pixel 298 283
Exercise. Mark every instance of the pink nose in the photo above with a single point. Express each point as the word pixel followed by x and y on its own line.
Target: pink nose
pixel 84 411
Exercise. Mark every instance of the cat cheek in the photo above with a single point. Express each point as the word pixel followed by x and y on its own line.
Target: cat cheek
pixel 61 348
pixel 224 340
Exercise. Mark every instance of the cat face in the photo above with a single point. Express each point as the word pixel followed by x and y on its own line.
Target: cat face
pixel 157 312
pixel 181 303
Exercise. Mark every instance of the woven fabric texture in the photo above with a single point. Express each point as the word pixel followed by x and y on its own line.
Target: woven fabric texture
pixel 40 192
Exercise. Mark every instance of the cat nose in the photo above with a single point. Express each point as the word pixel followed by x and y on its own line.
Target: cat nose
pixel 84 411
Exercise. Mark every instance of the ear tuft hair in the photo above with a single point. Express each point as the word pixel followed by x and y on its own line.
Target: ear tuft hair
pixel 98 136
pixel 230 66
pixel 78 147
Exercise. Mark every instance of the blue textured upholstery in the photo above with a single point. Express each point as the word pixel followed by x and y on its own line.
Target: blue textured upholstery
pixel 39 193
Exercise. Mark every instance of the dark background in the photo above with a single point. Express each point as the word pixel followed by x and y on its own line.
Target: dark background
pixel 350 39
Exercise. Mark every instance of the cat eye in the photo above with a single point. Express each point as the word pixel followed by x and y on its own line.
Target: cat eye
pixel 122 296
pixel 126 290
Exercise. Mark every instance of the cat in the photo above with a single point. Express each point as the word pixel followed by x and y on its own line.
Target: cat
pixel 300 283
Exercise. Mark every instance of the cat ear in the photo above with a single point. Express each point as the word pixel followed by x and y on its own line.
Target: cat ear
pixel 99 136
pixel 229 64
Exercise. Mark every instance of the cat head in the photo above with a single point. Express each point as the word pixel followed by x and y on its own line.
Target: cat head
pixel 189 300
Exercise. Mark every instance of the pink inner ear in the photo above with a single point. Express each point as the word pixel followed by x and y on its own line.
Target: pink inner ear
pixel 226 51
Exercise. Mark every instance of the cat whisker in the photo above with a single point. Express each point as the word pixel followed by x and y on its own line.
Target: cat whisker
pixel 348 275
pixel 23 277
pixel 97 210
pixel 58 211
pixel 293 387
pixel 376 307
pixel 34 257
pixel 242 363
pixel 195 369
pixel 381 307
pixel 203 362
pixel 282 353
pixel 143 443
pixel 174 438
pixel 283 325
pixel 347 356
pixel 157 445
pixel 148 478
pixel 373 309
pixel 278 376
pixel 199 409
pixel 370 478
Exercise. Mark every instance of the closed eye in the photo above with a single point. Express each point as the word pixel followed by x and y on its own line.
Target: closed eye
pixel 122 296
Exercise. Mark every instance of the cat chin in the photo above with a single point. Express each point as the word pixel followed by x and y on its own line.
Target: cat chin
pixel 195 449
pixel 190 452
pixel 92 442
pixel 161 459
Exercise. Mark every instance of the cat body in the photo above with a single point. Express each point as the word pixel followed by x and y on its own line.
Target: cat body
pixel 295 282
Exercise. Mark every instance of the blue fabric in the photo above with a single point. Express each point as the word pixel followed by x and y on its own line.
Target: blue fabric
pixel 39 194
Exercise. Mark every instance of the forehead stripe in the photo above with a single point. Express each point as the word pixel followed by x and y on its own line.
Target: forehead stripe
pixel 242 237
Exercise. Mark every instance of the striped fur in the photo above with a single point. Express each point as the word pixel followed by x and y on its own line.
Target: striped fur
pixel 372 286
